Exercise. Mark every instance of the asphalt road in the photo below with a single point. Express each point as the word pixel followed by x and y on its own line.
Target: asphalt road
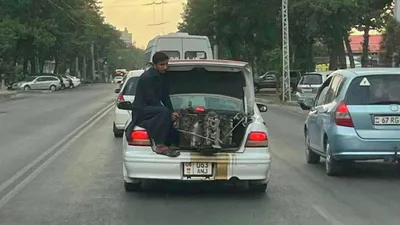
pixel 83 184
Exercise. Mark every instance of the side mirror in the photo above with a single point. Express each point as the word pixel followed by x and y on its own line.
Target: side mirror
pixel 126 105
pixel 307 104
pixel 117 91
pixel 262 107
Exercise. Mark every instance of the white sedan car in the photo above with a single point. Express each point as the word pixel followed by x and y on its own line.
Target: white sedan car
pixel 125 93
pixel 223 136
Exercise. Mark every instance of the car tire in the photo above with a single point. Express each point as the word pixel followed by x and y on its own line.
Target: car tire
pixel 257 187
pixel 256 88
pixel 333 167
pixel 117 133
pixel 302 106
pixel 132 187
pixel 27 88
pixel 53 88
pixel 311 157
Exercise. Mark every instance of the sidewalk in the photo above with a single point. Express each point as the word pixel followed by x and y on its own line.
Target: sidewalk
pixel 8 94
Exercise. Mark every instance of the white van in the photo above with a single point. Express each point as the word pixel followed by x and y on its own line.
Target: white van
pixel 180 46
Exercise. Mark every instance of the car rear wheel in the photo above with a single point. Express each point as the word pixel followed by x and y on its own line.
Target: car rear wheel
pixel 132 187
pixel 333 167
pixel 256 88
pixel 53 88
pixel 311 157
pixel 257 187
pixel 117 133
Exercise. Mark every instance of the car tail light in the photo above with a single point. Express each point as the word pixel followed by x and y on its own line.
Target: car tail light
pixel 299 89
pixel 140 138
pixel 120 98
pixel 257 139
pixel 200 109
pixel 342 116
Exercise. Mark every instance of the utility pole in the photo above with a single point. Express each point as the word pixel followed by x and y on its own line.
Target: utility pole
pixel 93 66
pixel 215 47
pixel 286 93
pixel 397 10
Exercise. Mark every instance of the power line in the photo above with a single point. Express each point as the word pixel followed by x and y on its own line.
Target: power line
pixel 67 14
pixel 147 4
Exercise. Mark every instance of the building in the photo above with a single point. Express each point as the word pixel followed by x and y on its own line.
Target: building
pixel 126 37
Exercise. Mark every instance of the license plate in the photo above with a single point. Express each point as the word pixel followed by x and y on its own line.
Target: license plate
pixel 307 90
pixel 387 120
pixel 197 169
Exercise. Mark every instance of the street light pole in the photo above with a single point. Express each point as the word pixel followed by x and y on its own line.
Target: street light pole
pixel 286 93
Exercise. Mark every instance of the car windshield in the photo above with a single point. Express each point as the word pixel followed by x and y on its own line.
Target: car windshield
pixel 311 79
pixel 130 87
pixel 374 89
pixel 207 101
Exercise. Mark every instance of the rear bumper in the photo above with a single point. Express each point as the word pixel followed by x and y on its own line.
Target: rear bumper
pixel 143 163
pixel 348 145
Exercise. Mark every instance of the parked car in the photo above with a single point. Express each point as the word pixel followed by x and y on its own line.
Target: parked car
pixel 355 116
pixel 309 85
pixel 130 74
pixel 75 82
pixel 241 154
pixel 125 93
pixel 38 83
pixel 272 79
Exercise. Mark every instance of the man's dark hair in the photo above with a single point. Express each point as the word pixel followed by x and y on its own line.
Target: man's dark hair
pixel 159 57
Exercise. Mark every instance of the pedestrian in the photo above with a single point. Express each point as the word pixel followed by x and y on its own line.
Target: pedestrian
pixel 152 108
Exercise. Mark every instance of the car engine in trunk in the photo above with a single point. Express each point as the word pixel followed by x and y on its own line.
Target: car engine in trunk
pixel 209 131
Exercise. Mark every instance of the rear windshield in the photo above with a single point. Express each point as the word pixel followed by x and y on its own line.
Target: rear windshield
pixel 311 79
pixel 374 89
pixel 130 87
pixel 206 101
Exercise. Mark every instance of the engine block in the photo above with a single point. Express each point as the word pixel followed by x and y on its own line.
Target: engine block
pixel 204 129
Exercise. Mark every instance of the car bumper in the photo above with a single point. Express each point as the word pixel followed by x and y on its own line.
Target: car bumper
pixel 143 163
pixel 346 144
pixel 301 97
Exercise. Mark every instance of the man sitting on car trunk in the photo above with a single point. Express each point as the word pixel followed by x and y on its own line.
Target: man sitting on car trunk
pixel 149 113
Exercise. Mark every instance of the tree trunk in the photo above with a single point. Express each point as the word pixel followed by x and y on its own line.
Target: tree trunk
pixel 342 55
pixel 349 50
pixel 365 45
pixel 333 65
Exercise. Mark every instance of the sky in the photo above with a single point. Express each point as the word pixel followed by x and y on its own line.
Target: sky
pixel 136 17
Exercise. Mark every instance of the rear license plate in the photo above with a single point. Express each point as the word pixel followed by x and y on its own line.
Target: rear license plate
pixel 307 90
pixel 197 169
pixel 387 120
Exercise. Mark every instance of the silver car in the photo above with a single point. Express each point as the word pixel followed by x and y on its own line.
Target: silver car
pixel 223 136
pixel 39 83
pixel 309 84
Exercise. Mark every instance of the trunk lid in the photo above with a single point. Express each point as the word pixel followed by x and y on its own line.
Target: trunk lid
pixel 374 105
pixel 217 77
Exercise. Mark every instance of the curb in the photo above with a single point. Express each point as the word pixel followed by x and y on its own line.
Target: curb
pixel 10 95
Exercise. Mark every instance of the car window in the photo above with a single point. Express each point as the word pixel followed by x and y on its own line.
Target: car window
pixel 173 54
pixel 195 55
pixel 208 102
pixel 41 79
pixel 336 80
pixel 130 86
pixel 311 79
pixel 322 96
pixel 374 89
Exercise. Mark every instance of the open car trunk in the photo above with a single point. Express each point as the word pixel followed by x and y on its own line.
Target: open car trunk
pixel 213 105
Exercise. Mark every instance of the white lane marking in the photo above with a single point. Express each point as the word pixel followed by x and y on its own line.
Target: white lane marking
pixel 32 176
pixel 8 182
pixel 328 217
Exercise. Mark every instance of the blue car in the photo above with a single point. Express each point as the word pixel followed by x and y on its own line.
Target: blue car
pixel 355 116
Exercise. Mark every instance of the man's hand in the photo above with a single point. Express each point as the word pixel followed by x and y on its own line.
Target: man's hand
pixel 175 116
